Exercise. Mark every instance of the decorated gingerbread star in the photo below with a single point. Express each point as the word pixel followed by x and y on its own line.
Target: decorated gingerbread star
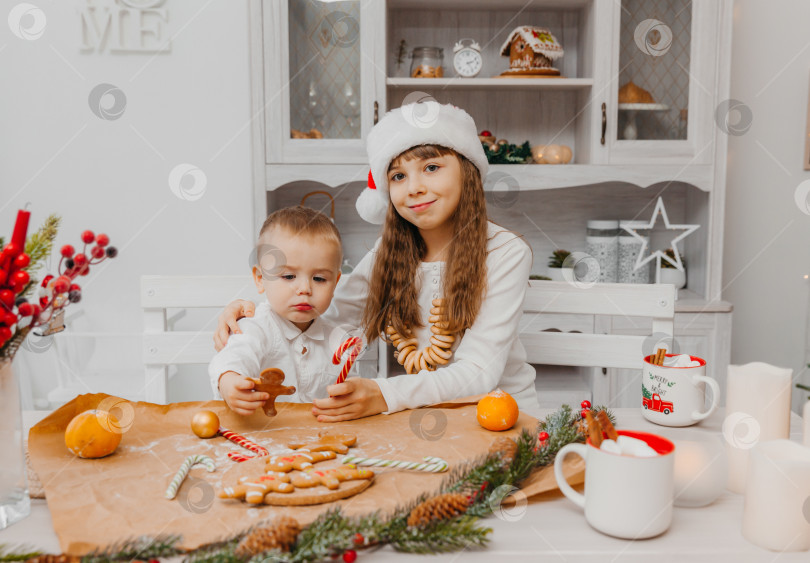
pixel 326 441
pixel 270 382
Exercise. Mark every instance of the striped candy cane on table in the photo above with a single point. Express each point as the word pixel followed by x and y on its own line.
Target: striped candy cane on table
pixel 430 464
pixel 181 474
pixel 242 441
pixel 355 345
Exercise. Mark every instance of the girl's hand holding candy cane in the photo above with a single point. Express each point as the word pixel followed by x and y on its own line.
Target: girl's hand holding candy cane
pixel 354 398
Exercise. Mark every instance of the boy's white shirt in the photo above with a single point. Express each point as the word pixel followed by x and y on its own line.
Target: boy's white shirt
pixel 489 355
pixel 268 340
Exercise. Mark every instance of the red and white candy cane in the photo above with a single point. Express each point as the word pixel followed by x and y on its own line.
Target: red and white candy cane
pixel 244 442
pixel 355 344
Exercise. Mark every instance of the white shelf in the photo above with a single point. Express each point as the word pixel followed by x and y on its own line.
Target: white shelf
pixel 549 83
pixel 527 176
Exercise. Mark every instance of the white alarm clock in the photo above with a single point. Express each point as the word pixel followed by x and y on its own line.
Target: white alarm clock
pixel 467 60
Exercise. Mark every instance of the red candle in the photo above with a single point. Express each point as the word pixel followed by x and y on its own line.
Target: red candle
pixel 21 229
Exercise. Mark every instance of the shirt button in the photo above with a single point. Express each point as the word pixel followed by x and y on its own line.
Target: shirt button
pixel 435 281
pixel 435 296
pixel 435 268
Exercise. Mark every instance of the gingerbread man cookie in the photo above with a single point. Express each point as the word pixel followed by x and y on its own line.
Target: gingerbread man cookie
pixel 270 382
pixel 286 463
pixel 327 441
pixel 330 478
pixel 254 490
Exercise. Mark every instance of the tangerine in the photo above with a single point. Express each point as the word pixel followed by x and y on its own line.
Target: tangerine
pixel 497 411
pixel 92 434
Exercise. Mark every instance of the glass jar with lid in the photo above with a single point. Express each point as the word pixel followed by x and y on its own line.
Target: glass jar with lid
pixel 426 62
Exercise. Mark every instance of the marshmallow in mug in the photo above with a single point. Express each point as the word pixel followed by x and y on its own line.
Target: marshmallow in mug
pixel 625 445
pixel 680 361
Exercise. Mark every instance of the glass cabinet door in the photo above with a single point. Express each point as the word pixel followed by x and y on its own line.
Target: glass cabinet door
pixel 322 94
pixel 324 63
pixel 662 83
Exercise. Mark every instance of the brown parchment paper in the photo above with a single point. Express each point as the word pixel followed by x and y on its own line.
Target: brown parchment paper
pixel 95 503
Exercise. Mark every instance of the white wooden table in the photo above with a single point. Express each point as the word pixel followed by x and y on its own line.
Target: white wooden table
pixel 551 529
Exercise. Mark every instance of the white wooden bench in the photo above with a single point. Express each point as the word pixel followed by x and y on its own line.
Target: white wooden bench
pixel 595 348
pixel 590 312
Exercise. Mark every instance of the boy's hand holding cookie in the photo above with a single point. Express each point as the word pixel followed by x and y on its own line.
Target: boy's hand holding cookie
pixel 238 394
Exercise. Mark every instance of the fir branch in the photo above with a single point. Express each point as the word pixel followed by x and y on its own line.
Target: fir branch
pixel 441 537
pixel 137 548
pixel 39 245
pixel 22 552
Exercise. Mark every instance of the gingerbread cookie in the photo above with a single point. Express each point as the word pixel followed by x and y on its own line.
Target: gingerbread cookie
pixel 254 490
pixel 327 441
pixel 286 463
pixel 270 382
pixel 330 478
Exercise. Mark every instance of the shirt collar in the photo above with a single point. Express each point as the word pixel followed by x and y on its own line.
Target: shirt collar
pixel 291 332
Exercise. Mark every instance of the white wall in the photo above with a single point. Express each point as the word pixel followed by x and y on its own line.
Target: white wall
pixel 767 250
pixel 191 105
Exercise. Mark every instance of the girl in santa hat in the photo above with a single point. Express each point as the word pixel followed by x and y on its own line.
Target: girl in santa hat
pixel 443 284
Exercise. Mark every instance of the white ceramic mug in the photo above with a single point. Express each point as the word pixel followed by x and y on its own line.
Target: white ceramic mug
pixel 674 396
pixel 625 496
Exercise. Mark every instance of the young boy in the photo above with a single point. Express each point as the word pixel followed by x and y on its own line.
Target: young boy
pixel 298 266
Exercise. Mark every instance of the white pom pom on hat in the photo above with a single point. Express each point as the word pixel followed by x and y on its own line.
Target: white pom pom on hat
pixel 420 123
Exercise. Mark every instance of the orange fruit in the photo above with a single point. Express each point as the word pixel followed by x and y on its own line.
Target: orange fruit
pixel 93 434
pixel 497 411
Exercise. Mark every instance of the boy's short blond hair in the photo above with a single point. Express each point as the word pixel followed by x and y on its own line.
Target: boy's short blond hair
pixel 303 220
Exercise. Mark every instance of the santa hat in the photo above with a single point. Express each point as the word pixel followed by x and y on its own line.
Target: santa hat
pixel 420 123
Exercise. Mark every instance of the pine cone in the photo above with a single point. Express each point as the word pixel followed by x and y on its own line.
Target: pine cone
pixel 438 508
pixel 506 448
pixel 47 558
pixel 281 534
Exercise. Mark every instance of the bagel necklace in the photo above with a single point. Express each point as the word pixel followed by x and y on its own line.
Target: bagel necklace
pixel 441 341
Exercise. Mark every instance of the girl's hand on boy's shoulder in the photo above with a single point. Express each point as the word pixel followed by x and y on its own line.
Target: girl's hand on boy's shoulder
pixel 226 322
pixel 354 398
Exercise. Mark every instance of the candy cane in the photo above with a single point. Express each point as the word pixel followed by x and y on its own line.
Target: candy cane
pixel 431 465
pixel 239 458
pixel 356 345
pixel 242 441
pixel 180 476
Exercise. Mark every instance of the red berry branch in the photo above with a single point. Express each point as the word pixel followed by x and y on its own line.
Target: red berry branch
pixel 18 314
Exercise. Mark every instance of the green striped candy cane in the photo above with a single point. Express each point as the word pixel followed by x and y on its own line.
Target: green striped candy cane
pixel 190 462
pixel 430 464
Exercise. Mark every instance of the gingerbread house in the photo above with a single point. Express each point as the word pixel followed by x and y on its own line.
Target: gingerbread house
pixel 531 51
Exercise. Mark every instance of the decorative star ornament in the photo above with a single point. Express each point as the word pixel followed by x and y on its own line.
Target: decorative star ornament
pixel 633 226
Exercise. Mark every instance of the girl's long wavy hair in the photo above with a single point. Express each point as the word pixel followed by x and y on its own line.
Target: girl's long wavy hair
pixel 393 297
